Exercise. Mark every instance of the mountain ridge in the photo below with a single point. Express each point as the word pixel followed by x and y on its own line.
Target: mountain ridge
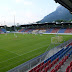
pixel 60 13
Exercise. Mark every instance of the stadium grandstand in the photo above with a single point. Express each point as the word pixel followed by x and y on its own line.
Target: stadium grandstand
pixel 49 28
pixel 55 62
pixel 2 29
pixel 44 53
pixel 58 58
pixel 61 61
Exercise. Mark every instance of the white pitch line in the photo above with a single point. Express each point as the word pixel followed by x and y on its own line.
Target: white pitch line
pixel 19 61
pixel 30 46
pixel 23 54
pixel 10 51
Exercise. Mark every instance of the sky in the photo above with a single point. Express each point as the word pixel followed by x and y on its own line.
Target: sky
pixel 25 11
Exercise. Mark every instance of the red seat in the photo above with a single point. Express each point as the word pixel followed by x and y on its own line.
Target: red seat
pixel 57 59
pixel 45 64
pixel 41 67
pixel 70 64
pixel 70 70
pixel 56 67
pixel 42 71
pixel 34 68
pixel 50 65
pixel 46 69
pixel 53 63
pixel 60 63
pixel 37 70
pixel 67 69
pixel 53 70
pixel 63 59
pixel 49 61
pixel 42 63
pixel 67 56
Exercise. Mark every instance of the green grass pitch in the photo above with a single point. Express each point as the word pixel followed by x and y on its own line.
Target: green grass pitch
pixel 15 51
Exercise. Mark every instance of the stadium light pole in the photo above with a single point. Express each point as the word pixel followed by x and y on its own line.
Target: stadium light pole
pixel 14 25
pixel 5 26
pixel 14 22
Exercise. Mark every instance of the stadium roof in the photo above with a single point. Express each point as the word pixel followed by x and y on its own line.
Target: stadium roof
pixel 66 3
pixel 46 24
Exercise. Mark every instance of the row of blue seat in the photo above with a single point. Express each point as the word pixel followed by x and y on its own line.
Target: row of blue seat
pixel 61 53
pixel 53 56
pixel 66 50
pixel 53 59
pixel 70 53
pixel 56 55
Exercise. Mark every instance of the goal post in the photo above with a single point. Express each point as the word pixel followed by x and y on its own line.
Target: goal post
pixel 56 40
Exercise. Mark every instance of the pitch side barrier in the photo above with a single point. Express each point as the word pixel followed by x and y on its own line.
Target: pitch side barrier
pixel 59 33
pixel 25 67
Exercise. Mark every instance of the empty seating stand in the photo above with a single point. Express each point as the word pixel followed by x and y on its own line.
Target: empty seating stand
pixel 61 31
pixel 22 30
pixel 3 30
pixel 49 30
pixel 55 30
pixel 69 68
pixel 68 30
pixel 59 58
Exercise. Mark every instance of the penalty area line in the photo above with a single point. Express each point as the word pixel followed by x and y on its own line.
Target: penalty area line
pixel 23 54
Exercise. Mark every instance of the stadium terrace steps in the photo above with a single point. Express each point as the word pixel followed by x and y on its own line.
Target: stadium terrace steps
pixel 56 61
pixel 21 30
pixel 2 30
pixel 42 31
pixel 61 31
pixel 65 65
pixel 69 68
pixel 35 31
pixel 27 30
pixel 55 30
pixel 68 30
pixel 49 31
pixel 30 30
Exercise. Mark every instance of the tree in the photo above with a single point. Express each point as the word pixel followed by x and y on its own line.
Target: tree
pixel 60 21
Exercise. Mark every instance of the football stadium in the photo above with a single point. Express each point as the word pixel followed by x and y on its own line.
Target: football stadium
pixel 37 47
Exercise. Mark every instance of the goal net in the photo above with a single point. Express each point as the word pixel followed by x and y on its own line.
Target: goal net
pixel 56 40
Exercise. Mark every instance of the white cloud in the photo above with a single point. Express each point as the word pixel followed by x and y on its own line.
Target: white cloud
pixel 28 3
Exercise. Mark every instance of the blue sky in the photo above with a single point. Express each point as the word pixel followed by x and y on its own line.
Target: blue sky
pixel 25 11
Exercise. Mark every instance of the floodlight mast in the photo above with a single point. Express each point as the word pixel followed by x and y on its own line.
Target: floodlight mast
pixel 14 22
pixel 5 26
pixel 14 25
